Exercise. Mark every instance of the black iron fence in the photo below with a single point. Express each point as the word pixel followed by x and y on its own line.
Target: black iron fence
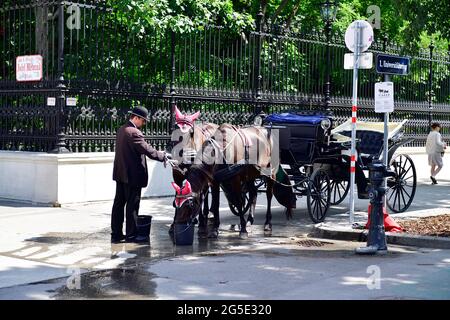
pixel 90 55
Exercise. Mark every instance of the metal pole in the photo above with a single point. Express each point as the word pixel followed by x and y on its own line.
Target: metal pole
pixel 328 82
pixel 258 77
pixel 386 141
pixel 172 82
pixel 353 155
pixel 430 88
pixel 60 146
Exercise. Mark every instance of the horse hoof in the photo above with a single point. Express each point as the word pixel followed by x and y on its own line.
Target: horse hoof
pixel 213 234
pixel 201 235
pixel 267 228
pixel 232 227
pixel 243 235
pixel 249 227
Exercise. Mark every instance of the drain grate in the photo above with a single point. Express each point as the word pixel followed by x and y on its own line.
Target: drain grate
pixel 312 243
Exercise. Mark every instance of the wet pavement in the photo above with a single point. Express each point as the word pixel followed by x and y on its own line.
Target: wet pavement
pixel 65 253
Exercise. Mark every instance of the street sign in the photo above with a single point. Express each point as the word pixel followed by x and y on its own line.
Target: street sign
pixel 392 64
pixel 29 68
pixel 384 97
pixel 366 35
pixel 365 60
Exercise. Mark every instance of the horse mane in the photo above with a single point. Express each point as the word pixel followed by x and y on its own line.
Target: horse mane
pixel 197 174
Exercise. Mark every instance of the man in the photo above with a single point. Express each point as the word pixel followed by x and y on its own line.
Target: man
pixel 130 173
pixel 435 150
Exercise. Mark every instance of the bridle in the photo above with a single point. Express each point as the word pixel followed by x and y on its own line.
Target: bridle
pixel 189 199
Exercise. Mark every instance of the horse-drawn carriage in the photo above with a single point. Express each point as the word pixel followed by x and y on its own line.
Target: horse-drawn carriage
pixel 314 161
pixel 317 159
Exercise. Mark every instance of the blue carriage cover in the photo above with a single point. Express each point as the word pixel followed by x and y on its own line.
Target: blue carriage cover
pixel 288 117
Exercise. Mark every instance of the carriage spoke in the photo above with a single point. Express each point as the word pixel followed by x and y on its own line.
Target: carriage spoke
pixel 409 195
pixel 395 198
pixel 405 172
pixel 320 209
pixel 403 198
pixel 392 193
pixel 324 202
pixel 316 205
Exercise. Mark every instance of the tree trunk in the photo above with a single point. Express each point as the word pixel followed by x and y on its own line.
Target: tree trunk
pixel 279 9
pixel 41 31
pixel 293 13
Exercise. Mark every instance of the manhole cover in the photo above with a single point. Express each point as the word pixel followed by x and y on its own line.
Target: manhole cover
pixel 312 243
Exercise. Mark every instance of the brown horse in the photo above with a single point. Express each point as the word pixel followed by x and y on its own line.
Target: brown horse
pixel 188 140
pixel 235 158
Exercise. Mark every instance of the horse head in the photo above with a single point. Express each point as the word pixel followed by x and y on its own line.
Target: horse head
pixel 185 121
pixel 187 202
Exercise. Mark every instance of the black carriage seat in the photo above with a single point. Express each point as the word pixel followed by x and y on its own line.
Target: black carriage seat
pixel 370 143
pixel 298 134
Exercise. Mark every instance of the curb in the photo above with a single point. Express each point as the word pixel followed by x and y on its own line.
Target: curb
pixel 321 231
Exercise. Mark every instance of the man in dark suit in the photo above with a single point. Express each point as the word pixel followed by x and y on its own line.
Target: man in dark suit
pixel 130 173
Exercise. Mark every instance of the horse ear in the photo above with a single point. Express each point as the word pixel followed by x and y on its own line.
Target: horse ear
pixel 187 188
pixel 176 187
pixel 178 114
pixel 194 116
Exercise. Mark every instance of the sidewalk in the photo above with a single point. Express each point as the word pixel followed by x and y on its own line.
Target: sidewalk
pixel 40 247
pixel 429 200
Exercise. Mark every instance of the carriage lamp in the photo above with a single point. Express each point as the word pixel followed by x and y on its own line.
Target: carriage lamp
pixel 258 121
pixel 325 124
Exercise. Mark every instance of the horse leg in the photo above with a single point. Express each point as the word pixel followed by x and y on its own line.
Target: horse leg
pixel 243 234
pixel 215 195
pixel 203 218
pixel 269 194
pixel 253 194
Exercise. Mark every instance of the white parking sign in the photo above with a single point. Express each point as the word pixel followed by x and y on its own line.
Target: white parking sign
pixel 384 97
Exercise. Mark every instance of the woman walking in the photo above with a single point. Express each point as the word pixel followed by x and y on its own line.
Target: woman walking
pixel 435 150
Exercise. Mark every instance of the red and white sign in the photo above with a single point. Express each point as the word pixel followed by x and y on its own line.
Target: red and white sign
pixel 29 68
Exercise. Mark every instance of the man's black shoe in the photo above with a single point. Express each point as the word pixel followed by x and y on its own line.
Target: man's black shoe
pixel 117 239
pixel 142 239
pixel 433 180
pixel 130 239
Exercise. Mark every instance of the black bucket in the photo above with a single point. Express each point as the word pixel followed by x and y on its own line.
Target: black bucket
pixel 143 224
pixel 183 234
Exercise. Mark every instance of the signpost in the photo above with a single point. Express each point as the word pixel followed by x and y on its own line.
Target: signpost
pixel 358 38
pixel 29 68
pixel 384 97
pixel 387 64
pixel 365 60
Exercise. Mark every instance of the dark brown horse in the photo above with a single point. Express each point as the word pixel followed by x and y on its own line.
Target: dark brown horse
pixel 235 158
pixel 188 141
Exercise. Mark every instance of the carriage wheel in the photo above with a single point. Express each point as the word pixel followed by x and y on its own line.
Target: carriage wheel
pixel 402 187
pixel 318 197
pixel 245 203
pixel 259 182
pixel 338 191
